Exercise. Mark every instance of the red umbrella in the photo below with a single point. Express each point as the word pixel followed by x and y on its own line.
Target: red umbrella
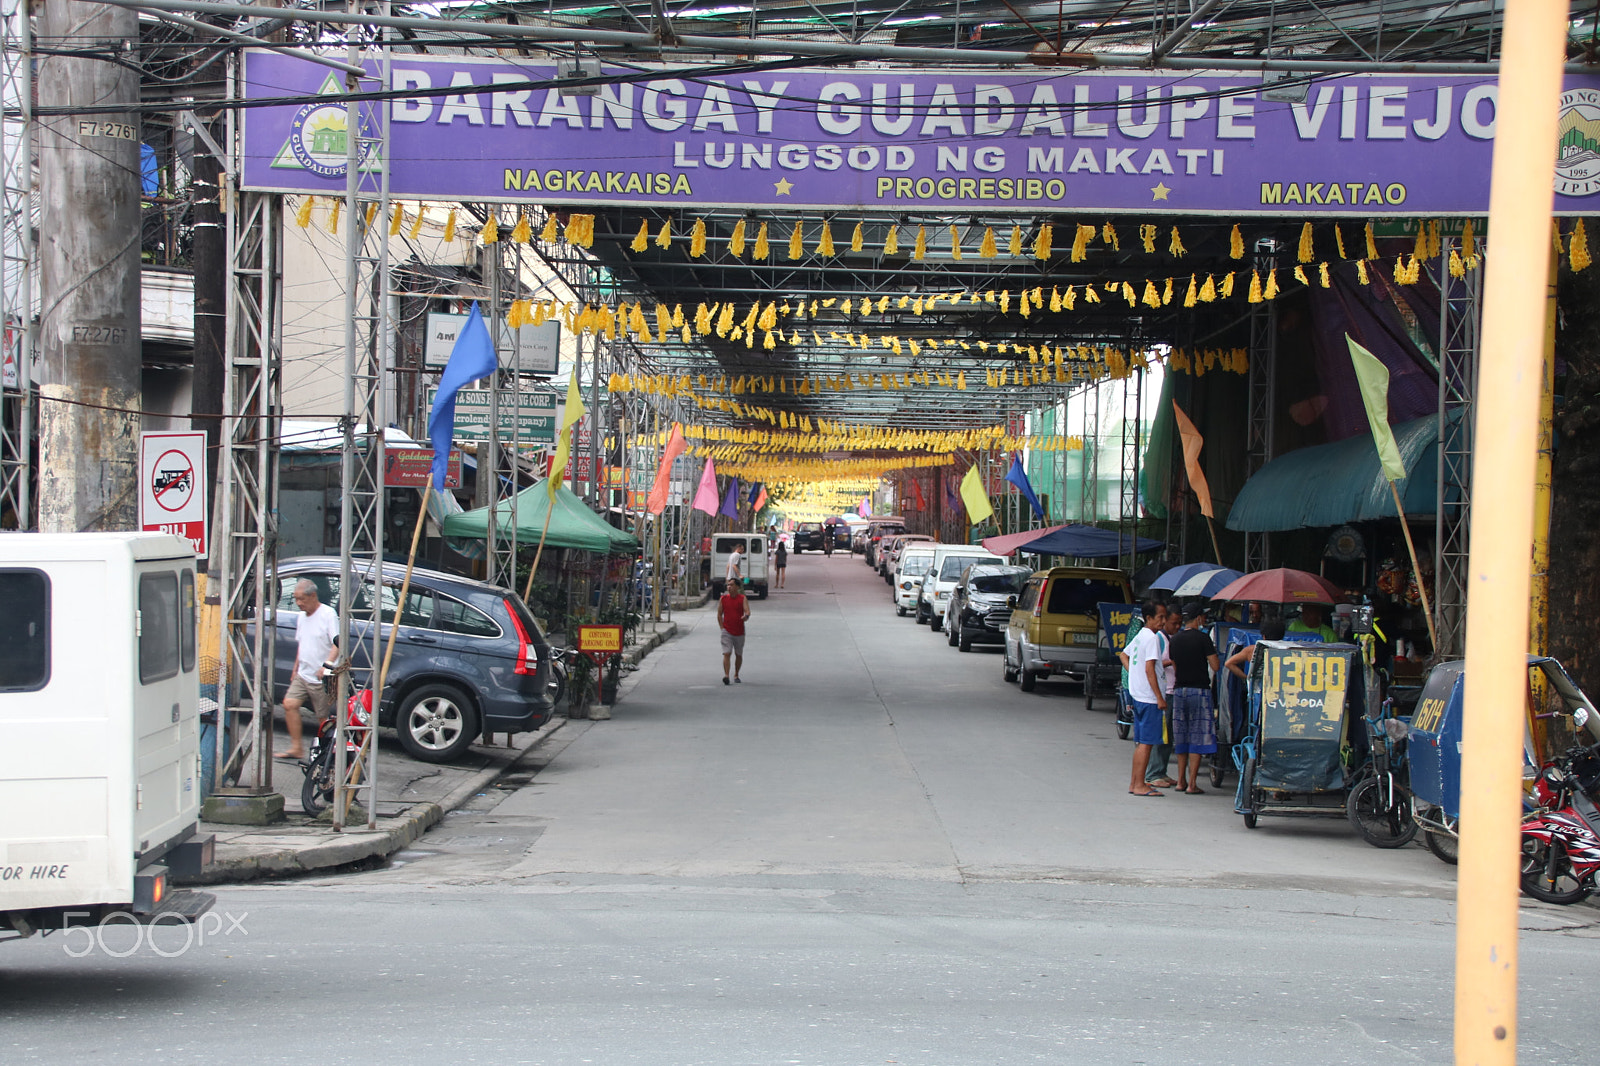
pixel 1281 586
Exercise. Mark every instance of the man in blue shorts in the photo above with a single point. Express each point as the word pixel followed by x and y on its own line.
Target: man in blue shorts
pixel 1145 656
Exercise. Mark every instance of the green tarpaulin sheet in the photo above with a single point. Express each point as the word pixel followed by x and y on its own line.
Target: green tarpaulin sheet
pixel 572 525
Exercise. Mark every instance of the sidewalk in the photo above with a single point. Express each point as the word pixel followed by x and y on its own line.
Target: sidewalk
pixel 413 796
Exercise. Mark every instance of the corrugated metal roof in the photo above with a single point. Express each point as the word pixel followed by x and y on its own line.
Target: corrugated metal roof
pixel 1331 484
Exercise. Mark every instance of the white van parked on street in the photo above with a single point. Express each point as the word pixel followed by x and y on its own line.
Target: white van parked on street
pixel 99 730
pixel 908 571
pixel 753 565
pixel 949 560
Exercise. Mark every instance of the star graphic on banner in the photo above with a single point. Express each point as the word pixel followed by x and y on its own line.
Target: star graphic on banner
pixel 783 185
pixel 1160 191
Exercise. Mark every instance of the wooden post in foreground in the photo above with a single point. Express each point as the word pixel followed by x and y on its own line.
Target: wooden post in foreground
pixel 1505 445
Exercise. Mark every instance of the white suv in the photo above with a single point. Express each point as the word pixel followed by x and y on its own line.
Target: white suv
pixel 908 571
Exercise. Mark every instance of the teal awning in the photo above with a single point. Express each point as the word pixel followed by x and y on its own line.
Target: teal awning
pixel 1331 484
pixel 571 525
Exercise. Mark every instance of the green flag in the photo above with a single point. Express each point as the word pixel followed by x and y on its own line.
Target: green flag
pixel 1374 379
pixel 972 494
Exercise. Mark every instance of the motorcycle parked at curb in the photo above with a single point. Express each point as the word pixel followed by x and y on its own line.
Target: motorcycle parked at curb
pixel 316 791
pixel 1561 840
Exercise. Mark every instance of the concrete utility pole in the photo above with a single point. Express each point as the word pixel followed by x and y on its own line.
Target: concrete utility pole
pixel 89 270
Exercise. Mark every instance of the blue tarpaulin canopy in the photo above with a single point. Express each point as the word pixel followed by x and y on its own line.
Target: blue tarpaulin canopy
pixel 1087 542
pixel 1331 484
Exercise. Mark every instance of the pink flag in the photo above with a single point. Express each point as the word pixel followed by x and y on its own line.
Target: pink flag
pixel 705 497
pixel 676 446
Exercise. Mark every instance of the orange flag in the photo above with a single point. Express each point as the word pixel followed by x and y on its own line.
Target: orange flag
pixel 1192 443
pixel 656 502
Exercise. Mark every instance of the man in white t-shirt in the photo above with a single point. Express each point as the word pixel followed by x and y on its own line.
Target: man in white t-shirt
pixel 316 642
pixel 735 574
pixel 1146 691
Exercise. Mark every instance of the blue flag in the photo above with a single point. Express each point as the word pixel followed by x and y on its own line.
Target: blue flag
pixel 472 358
pixel 730 502
pixel 1018 478
pixel 755 493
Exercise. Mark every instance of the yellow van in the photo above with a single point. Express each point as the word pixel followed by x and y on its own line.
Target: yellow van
pixel 1055 626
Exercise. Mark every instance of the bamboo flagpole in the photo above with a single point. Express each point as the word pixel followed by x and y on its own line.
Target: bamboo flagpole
pixel 1505 451
pixel 1373 378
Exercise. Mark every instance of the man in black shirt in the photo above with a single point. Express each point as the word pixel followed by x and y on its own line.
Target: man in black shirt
pixel 1194 733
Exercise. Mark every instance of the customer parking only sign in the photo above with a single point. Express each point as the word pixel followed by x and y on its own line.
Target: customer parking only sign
pixel 172 485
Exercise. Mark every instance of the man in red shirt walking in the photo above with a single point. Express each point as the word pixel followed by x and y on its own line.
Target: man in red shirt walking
pixel 732 610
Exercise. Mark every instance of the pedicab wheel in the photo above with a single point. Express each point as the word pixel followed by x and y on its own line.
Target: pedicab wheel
pixel 1217 776
pixel 1123 729
pixel 1029 680
pixel 1547 873
pixel 1445 848
pixel 1379 825
pixel 1088 689
pixel 1247 785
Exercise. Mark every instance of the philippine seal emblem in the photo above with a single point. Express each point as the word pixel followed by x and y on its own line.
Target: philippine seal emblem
pixel 1578 150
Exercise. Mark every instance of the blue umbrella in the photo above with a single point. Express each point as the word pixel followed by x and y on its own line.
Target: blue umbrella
pixel 1178 575
pixel 1207 582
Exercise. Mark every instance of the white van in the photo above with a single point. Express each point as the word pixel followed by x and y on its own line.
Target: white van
pixel 908 571
pixel 753 565
pixel 99 729
pixel 949 560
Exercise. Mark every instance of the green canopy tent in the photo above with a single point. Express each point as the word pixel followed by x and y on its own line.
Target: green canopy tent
pixel 572 525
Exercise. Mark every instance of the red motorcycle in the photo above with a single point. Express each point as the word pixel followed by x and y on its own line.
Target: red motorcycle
pixel 1561 840
pixel 316 792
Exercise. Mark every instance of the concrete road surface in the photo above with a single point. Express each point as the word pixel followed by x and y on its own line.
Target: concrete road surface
pixel 870 851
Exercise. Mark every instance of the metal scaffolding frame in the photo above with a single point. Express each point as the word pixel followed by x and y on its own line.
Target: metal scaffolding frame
pixel 1459 311
pixel 1263 399
pixel 368 342
pixel 1129 454
pixel 19 311
pixel 246 537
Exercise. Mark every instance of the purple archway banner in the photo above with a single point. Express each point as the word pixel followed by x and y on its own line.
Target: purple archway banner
pixel 1004 141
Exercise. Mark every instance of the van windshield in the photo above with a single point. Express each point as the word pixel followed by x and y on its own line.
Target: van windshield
pixel 916 564
pixel 1072 595
pixel 954 565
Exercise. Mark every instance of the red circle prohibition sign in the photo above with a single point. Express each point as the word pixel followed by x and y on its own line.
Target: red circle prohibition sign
pixel 176 481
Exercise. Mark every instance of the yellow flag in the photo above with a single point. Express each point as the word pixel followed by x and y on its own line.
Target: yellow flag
pixel 977 501
pixel 573 411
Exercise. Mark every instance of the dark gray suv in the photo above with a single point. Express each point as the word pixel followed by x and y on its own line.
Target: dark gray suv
pixel 468 659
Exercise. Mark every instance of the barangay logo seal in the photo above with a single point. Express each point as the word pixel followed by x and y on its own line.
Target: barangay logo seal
pixel 1578 150
pixel 318 140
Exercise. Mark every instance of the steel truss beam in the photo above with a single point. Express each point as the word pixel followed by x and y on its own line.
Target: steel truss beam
pixel 1459 311
pixel 20 266
pixel 247 533
pixel 368 342
pixel 1263 390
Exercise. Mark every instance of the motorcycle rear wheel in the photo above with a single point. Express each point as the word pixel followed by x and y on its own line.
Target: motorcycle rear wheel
pixel 1379 825
pixel 316 791
pixel 1547 873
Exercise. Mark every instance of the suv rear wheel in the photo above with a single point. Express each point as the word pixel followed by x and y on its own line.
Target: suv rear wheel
pixel 436 723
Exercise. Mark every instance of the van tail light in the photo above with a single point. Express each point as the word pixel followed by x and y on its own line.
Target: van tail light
pixel 527 654
pixel 1038 605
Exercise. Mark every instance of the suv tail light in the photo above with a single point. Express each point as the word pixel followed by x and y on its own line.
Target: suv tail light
pixel 527 654
pixel 1038 603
